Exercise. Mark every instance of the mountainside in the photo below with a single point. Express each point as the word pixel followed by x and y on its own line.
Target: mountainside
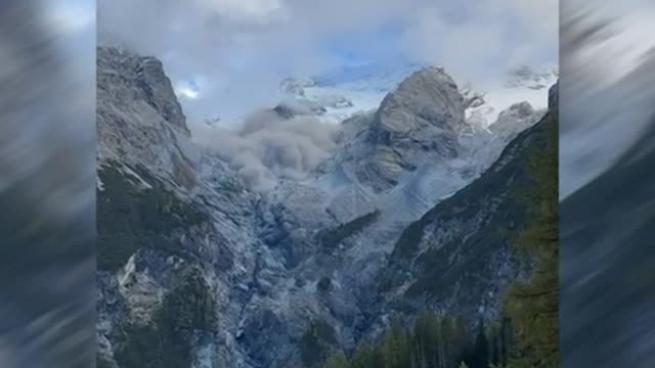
pixel 197 269
pixel 457 256
pixel 174 230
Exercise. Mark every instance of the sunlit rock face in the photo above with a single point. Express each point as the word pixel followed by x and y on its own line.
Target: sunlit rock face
pixel 422 117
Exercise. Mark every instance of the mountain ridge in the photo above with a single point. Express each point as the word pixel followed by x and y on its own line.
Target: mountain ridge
pixel 282 278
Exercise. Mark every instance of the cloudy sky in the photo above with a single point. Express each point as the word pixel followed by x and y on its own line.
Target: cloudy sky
pixel 226 57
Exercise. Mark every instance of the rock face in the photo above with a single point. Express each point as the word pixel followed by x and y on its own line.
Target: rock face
pixel 457 257
pixel 171 238
pixel 139 119
pixel 198 270
pixel 512 121
pixel 146 82
pixel 423 117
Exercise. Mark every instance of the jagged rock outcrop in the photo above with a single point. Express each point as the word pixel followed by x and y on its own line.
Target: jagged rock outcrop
pixel 423 117
pixel 512 121
pixel 171 220
pixel 198 270
pixel 139 119
pixel 146 80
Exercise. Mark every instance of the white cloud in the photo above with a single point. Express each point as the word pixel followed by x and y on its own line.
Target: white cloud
pixel 481 42
pixel 186 92
pixel 70 17
pixel 466 50
pixel 244 47
pixel 242 10
pixel 540 16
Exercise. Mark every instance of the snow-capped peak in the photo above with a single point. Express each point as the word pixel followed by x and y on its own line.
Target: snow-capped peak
pixel 523 84
pixel 346 91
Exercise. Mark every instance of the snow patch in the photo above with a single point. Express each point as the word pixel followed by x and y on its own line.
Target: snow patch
pixel 521 86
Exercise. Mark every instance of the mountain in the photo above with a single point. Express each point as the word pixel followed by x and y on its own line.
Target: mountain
pixel 424 114
pixel 340 93
pixel 171 220
pixel 415 150
pixel 198 269
pixel 457 257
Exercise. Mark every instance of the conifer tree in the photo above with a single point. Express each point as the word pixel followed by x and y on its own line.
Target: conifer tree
pixel 480 349
pixel 363 357
pixel 533 306
pixel 337 361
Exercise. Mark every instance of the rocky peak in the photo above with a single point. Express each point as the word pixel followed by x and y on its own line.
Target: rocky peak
pixel 514 120
pixel 421 119
pixel 139 120
pixel 146 80
pixel 429 98
pixel 159 91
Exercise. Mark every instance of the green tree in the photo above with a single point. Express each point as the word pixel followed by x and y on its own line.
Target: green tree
pixel 532 307
pixel 337 361
pixel 364 357
pixel 425 340
pixel 480 354
pixel 396 347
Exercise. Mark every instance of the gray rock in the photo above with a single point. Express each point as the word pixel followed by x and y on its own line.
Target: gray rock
pixel 457 258
pixel 276 265
pixel 422 117
pixel 145 79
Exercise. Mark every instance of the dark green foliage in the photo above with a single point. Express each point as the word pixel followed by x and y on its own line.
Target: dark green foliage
pixel 499 343
pixel 331 238
pixel 479 356
pixel 337 361
pixel 363 357
pixel 129 218
pixel 395 347
pixel 166 341
pixel 532 306
pixel 317 343
pixel 433 342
